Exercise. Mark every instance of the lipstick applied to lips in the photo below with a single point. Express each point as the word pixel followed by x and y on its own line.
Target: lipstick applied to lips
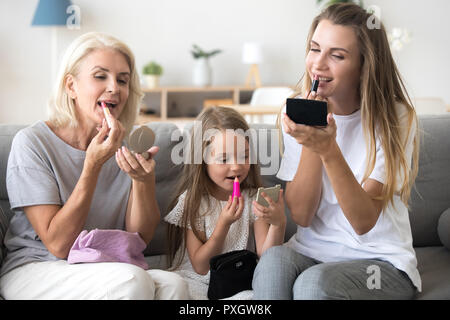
pixel 315 84
pixel 236 189
pixel 106 113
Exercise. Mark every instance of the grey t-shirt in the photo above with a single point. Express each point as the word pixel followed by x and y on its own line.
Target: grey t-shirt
pixel 43 169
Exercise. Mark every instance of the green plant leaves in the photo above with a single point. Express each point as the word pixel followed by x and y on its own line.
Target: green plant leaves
pixel 198 52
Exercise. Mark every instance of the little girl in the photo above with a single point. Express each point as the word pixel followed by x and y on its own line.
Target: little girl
pixel 204 220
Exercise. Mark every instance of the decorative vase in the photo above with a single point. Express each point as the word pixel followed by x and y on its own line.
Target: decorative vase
pixel 202 72
pixel 152 81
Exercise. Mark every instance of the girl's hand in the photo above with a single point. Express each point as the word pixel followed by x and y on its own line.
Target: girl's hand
pixel 318 139
pixel 105 143
pixel 232 210
pixel 274 214
pixel 136 166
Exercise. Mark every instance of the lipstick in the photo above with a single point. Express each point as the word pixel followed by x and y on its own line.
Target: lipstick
pixel 314 86
pixel 236 189
pixel 106 113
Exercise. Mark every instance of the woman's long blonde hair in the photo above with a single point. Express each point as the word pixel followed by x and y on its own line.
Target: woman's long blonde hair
pixel 381 88
pixel 196 182
pixel 61 107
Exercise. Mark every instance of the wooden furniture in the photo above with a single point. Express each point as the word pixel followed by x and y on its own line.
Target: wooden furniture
pixel 177 104
pixel 217 102
pixel 253 74
pixel 169 102
pixel 244 109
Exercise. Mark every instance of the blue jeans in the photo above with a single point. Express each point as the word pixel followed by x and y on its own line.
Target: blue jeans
pixel 285 274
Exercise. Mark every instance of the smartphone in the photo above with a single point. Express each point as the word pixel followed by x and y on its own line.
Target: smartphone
pixel 308 112
pixel 272 193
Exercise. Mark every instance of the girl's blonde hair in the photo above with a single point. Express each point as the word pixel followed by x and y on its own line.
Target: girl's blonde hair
pixel 196 182
pixel 61 107
pixel 381 88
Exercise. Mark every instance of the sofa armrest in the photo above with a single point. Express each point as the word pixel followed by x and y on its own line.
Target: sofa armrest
pixel 444 228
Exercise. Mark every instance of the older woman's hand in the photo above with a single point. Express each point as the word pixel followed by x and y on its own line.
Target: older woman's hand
pixel 135 165
pixel 105 143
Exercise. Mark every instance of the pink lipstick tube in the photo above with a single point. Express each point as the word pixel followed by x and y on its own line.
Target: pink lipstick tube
pixel 236 189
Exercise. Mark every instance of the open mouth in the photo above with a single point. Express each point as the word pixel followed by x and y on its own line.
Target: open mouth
pixel 110 105
pixel 323 79
pixel 232 178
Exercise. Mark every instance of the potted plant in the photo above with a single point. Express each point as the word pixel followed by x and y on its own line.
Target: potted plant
pixel 152 71
pixel 202 71
pixel 330 2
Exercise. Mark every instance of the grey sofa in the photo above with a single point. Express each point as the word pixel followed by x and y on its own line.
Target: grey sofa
pixel 430 198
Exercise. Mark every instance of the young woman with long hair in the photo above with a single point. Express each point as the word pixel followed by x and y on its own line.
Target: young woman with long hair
pixel 349 182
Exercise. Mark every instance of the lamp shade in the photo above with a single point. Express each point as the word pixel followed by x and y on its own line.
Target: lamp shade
pixel 252 53
pixel 51 13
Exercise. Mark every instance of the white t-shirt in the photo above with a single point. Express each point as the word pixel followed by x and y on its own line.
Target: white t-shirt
pixel 330 237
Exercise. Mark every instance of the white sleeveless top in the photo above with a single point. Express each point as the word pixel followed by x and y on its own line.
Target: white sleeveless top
pixel 240 236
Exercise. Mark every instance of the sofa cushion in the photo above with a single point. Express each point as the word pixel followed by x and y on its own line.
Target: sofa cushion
pixel 167 174
pixel 7 133
pixel 5 216
pixel 444 228
pixel 269 158
pixel 431 194
pixel 4 221
pixel 433 264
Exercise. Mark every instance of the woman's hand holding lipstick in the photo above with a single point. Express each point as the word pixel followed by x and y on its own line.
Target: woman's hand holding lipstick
pixel 318 139
pixel 106 142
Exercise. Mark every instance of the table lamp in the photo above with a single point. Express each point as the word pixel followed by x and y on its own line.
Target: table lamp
pixel 52 13
pixel 252 54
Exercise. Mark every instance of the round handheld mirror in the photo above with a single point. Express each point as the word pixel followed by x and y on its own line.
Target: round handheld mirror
pixel 141 140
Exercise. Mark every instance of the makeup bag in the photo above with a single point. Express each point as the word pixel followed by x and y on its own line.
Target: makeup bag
pixel 108 246
pixel 230 273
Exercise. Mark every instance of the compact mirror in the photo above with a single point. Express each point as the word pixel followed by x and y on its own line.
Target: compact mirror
pixel 141 140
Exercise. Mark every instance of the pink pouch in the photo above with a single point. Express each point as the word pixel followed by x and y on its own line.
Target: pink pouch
pixel 108 246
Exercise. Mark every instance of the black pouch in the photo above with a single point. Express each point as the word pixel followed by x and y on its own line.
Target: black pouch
pixel 231 273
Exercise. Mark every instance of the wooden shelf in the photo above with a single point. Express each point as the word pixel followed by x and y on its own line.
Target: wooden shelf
pixel 186 102
pixel 199 89
pixel 146 118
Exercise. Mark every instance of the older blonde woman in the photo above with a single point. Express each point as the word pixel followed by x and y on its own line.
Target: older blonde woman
pixel 73 173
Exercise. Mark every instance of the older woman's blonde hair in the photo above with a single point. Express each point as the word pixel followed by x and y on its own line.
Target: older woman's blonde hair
pixel 61 107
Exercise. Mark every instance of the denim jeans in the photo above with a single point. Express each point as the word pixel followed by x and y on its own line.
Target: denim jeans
pixel 285 274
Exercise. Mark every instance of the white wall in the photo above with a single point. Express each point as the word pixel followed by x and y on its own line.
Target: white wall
pixel 164 30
